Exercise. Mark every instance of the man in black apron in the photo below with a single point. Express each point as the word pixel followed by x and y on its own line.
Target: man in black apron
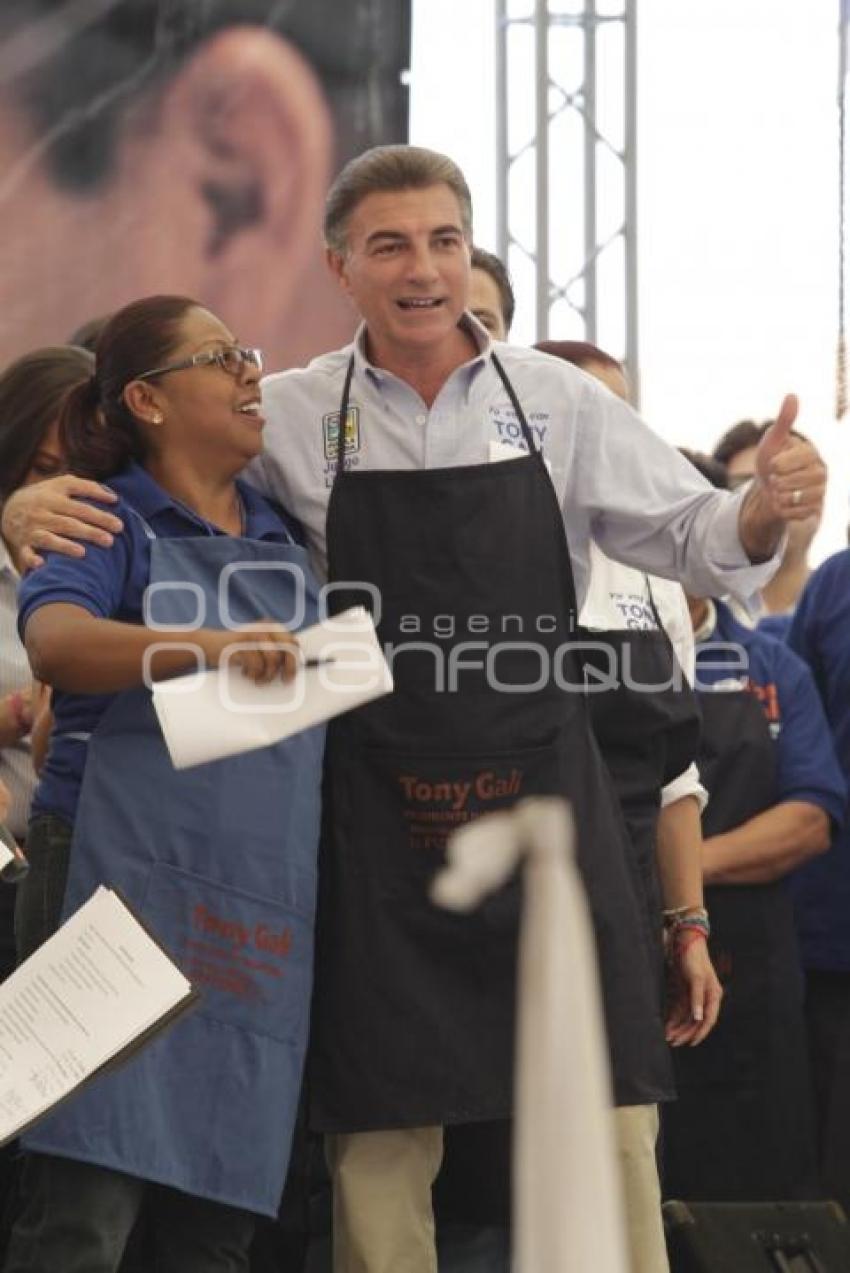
pixel 474 571
pixel 413 1021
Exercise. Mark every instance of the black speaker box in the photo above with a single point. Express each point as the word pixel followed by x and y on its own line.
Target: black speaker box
pixel 757 1237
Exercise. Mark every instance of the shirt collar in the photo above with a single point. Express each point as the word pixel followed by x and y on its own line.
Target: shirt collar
pixel 149 499
pixel 467 321
pixel 262 520
pixel 137 486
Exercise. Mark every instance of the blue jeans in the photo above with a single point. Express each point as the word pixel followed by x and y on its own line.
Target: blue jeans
pixel 41 892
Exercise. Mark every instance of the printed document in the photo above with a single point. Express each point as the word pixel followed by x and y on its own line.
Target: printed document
pixel 90 996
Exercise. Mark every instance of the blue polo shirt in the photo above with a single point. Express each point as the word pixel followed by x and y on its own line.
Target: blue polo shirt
pixel 820 633
pixel 806 765
pixel 110 583
pixel 777 625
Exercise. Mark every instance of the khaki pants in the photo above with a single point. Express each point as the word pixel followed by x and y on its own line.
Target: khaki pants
pixel 383 1220
pixel 636 1129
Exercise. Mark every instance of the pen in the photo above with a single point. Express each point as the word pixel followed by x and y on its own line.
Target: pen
pixel 317 662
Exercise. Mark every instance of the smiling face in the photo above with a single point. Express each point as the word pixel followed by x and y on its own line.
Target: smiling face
pixel 406 269
pixel 205 411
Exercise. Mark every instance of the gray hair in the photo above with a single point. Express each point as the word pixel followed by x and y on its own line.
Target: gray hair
pixel 387 169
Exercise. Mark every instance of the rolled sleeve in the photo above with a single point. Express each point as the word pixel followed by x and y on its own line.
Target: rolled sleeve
pixel 743 579
pixel 649 507
pixel 685 784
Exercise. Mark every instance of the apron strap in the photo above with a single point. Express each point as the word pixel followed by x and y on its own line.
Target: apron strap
pixel 343 416
pixel 502 374
pixel 533 450
pixel 654 608
pixel 515 403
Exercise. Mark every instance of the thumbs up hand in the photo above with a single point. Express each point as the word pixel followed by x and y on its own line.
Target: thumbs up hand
pixel 789 486
pixel 776 436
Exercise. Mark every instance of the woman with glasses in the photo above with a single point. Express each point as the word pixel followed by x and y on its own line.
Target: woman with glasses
pixel 218 860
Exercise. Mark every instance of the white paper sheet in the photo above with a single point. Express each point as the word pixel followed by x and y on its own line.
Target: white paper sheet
pixel 209 715
pixel 500 451
pixel 93 988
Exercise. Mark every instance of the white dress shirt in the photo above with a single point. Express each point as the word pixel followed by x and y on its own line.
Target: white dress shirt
pixel 618 598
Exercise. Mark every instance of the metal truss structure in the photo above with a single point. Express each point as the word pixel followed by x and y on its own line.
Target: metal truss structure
pixel 566 167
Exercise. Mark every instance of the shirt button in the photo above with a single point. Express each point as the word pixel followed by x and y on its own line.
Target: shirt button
pixel 421 419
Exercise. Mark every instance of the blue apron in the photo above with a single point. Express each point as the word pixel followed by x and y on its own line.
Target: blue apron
pixel 220 861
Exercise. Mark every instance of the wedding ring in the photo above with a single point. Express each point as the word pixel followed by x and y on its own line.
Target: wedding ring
pixel 796 496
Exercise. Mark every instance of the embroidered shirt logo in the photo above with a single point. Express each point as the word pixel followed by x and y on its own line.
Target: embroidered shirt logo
pixel 330 430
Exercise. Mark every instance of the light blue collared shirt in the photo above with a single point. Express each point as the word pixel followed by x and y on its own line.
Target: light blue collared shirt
pixel 616 481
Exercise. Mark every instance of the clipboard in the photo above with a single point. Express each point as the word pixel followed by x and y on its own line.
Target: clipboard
pixel 73 1041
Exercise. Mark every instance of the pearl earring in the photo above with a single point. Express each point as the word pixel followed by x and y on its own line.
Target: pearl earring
pixel 157 419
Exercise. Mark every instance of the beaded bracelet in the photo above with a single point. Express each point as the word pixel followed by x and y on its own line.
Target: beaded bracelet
pixel 689 924
pixel 679 912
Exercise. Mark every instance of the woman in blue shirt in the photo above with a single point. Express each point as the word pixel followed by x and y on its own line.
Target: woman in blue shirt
pixel 204 1115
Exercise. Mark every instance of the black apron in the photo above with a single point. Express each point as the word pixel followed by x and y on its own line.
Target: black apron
pixel 413 1019
pixel 646 740
pixel 742 1128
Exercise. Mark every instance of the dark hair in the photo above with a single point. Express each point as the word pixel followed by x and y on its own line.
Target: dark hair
pixel 32 391
pixel 100 434
pixel 79 90
pixel 490 264
pixel 579 352
pixel 742 436
pixel 86 335
pixel 386 169
pixel 711 469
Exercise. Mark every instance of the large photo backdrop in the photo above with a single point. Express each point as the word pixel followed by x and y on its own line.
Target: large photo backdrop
pixel 186 146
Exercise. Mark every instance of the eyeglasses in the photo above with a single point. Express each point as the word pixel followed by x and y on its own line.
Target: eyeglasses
pixel 232 359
